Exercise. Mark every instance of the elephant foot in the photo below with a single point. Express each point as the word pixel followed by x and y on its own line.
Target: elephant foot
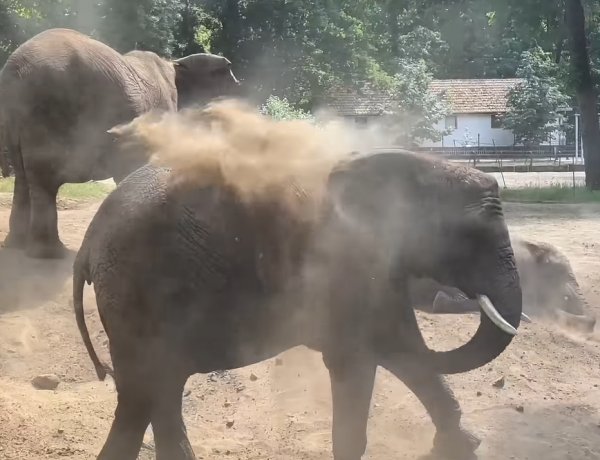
pixel 15 240
pixel 454 445
pixel 37 250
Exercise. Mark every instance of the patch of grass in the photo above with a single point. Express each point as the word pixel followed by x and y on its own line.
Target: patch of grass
pixel 79 192
pixel 85 191
pixel 7 184
pixel 559 193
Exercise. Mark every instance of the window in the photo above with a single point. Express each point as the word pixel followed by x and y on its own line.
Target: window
pixel 497 120
pixel 451 122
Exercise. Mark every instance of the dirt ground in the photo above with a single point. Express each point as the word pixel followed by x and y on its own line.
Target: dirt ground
pixel 551 376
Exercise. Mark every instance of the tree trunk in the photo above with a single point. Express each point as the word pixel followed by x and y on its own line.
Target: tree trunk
pixel 586 94
pixel 231 20
pixel 393 12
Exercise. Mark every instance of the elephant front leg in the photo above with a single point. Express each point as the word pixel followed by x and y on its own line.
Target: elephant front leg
pixel 351 390
pixel 44 242
pixel 452 441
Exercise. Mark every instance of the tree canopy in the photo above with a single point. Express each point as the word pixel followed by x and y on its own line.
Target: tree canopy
pixel 534 106
pixel 298 50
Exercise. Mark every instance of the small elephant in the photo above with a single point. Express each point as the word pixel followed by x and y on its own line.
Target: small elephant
pixel 196 279
pixel 60 92
pixel 550 289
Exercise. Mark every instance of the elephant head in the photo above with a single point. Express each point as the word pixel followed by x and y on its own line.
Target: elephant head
pixel 550 287
pixel 201 77
pixel 429 218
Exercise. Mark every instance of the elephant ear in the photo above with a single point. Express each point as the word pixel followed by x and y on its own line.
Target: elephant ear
pixel 538 252
pixel 203 63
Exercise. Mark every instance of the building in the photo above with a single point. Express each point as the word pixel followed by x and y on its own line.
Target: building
pixel 477 107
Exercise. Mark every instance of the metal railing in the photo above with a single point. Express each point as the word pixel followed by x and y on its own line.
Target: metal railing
pixel 527 156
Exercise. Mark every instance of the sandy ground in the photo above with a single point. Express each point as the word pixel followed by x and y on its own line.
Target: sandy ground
pixel 286 412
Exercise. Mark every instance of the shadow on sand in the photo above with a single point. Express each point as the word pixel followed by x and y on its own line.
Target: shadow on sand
pixel 26 282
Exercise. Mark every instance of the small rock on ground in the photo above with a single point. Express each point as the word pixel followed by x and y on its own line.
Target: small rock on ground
pixel 46 382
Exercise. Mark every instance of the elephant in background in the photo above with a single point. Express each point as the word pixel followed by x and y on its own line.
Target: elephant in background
pixel 197 279
pixel 60 92
pixel 550 289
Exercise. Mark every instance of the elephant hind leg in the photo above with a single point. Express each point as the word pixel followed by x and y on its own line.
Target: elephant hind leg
pixel 134 395
pixel 170 434
pixel 132 417
pixel 20 211
pixel 44 242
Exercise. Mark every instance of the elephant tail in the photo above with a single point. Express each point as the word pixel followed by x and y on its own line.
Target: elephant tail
pixel 80 277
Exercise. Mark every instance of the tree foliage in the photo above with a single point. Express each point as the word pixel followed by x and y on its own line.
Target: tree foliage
pixel 415 111
pixel 280 109
pixel 534 106
pixel 300 49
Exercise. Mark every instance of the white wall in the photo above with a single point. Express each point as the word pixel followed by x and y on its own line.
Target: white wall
pixel 468 126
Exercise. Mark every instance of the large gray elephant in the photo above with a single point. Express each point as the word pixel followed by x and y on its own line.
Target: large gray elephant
pixel 197 280
pixel 60 92
pixel 550 289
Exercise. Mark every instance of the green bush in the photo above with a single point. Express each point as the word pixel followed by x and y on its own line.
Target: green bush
pixel 281 109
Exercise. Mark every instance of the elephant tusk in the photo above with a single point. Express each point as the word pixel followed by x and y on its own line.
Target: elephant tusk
pixel 488 308
pixel 525 318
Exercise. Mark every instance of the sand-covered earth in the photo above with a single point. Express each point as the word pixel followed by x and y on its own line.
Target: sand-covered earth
pixel 552 376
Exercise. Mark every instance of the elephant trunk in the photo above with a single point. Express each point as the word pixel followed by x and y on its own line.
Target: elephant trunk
pixel 501 304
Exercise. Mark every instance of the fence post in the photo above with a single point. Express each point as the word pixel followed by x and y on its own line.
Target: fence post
pixel 576 137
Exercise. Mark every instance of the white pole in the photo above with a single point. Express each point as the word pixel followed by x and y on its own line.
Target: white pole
pixel 576 138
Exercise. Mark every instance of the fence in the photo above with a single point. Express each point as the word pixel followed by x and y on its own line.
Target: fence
pixel 512 158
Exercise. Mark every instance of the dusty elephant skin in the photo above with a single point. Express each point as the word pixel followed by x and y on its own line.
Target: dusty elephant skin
pixel 550 289
pixel 61 91
pixel 195 280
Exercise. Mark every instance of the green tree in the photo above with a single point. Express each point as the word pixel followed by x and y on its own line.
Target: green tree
pixel 415 111
pixel 534 105
pixel 281 109
pixel 297 49
pixel 195 31
pixel 141 24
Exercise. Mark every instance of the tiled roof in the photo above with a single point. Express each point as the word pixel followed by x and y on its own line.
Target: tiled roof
pixel 464 96
pixel 476 95
pixel 366 101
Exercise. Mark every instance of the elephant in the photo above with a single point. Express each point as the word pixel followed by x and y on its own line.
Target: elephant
pixel 550 289
pixel 197 279
pixel 60 92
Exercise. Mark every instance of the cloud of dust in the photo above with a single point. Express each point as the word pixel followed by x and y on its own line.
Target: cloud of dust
pixel 230 143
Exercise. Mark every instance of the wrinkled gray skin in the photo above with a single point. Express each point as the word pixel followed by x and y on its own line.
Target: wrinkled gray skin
pixel 61 91
pixel 195 281
pixel 550 289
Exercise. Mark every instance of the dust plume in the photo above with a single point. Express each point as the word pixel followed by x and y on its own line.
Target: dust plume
pixel 229 143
